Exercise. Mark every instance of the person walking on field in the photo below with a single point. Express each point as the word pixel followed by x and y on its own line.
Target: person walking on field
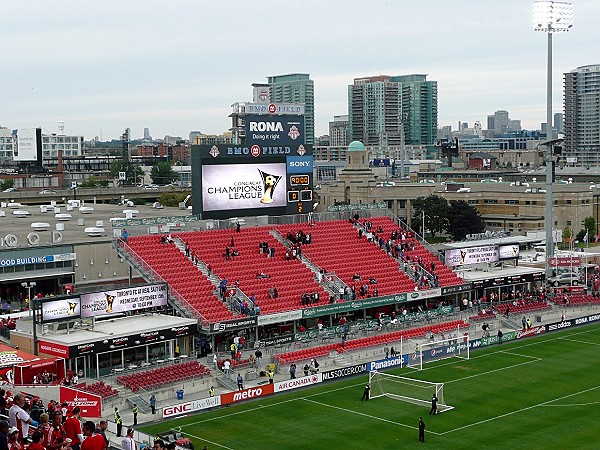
pixel 421 430
pixel 366 392
pixel 434 401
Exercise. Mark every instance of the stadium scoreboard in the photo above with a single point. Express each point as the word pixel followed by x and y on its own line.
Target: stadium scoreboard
pixel 247 180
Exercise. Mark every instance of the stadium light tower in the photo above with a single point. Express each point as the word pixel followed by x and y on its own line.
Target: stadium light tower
pixel 550 17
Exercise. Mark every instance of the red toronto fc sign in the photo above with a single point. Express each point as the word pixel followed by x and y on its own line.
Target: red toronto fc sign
pixel 272 108
pixel 50 348
pixel 565 261
pixel 255 150
pixel 246 394
pixel 90 404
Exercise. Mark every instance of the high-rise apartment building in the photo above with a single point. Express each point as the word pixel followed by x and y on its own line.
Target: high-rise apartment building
pixel 296 88
pixel 380 108
pixel 338 131
pixel 582 114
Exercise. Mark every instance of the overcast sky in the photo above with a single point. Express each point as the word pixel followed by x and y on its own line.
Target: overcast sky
pixel 177 65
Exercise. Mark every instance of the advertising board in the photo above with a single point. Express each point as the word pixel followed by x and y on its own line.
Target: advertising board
pixel 508 251
pixel 122 300
pixel 471 255
pixel 26 150
pixel 60 309
pixel 298 382
pixel 246 394
pixel 89 404
pixel 243 186
pixel 189 407
pixel 274 130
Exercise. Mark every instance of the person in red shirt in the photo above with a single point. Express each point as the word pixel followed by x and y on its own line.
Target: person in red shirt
pixel 57 435
pixel 72 428
pixel 36 439
pixel 92 441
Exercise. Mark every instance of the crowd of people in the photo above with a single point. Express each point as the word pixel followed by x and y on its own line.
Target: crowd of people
pixel 32 425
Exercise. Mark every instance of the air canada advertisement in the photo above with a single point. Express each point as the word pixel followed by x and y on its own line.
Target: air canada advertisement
pixel 123 300
pixel 243 186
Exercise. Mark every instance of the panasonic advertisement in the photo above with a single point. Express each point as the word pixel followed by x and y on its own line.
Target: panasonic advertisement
pixel 243 186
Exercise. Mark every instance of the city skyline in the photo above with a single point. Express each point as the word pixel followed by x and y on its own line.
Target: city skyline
pixel 89 64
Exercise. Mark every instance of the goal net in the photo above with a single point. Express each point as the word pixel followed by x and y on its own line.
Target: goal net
pixel 456 347
pixel 409 390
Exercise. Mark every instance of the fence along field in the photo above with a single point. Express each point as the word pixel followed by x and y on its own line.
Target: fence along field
pixel 542 392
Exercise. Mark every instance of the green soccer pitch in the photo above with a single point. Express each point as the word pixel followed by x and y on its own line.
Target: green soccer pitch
pixel 536 393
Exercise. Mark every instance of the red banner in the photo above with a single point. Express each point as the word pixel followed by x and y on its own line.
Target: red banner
pixel 564 261
pixel 246 394
pixel 51 348
pixel 90 404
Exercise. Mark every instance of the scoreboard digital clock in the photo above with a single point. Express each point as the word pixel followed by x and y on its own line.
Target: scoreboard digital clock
pixel 299 180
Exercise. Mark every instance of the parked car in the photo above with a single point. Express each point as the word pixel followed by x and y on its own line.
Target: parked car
pixel 47 191
pixel 565 278
pixel 11 190
pixel 151 187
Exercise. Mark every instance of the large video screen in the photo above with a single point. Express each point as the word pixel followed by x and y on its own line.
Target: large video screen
pixel 243 186
pixel 250 180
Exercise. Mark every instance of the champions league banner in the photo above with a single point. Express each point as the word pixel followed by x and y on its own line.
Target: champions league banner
pixel 243 186
pixel 123 300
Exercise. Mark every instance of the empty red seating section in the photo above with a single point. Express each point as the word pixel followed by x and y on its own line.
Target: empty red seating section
pixel 291 277
pixel 101 389
pixel 523 306
pixel 162 376
pixel 576 299
pixel 446 277
pixel 176 269
pixel 371 341
pixel 336 248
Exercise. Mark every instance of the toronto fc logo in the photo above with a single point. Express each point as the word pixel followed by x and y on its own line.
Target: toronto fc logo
pixel 301 150
pixel 294 133
pixel 214 151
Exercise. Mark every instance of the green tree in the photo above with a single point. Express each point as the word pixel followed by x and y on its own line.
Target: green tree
pixel 589 224
pixel 463 219
pixel 7 183
pixel 135 175
pixel 92 182
pixel 162 173
pixel 436 210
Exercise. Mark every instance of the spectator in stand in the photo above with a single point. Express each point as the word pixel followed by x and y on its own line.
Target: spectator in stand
pixel 4 435
pixel 44 427
pixel 128 443
pixel 19 418
pixel 13 439
pixel 73 429
pixel 56 436
pixel 36 440
pixel 93 439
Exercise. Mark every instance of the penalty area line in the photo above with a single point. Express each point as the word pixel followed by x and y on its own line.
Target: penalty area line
pixel 210 442
pixel 547 403
pixel 365 415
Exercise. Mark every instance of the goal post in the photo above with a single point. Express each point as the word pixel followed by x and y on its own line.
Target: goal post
pixel 455 347
pixel 405 389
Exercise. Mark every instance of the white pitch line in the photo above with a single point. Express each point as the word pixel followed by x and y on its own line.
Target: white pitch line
pixel 365 415
pixel 491 371
pixel 210 442
pixel 578 341
pixel 520 410
pixel 518 354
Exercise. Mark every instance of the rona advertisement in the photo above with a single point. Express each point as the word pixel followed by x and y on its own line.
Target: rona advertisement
pixel 243 186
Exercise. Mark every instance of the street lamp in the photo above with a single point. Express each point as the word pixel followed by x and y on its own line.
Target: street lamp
pixel 32 307
pixel 550 17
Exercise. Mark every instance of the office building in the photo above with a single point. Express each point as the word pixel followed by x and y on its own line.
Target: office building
pixel 295 88
pixel 392 110
pixel 582 115
pixel 338 131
